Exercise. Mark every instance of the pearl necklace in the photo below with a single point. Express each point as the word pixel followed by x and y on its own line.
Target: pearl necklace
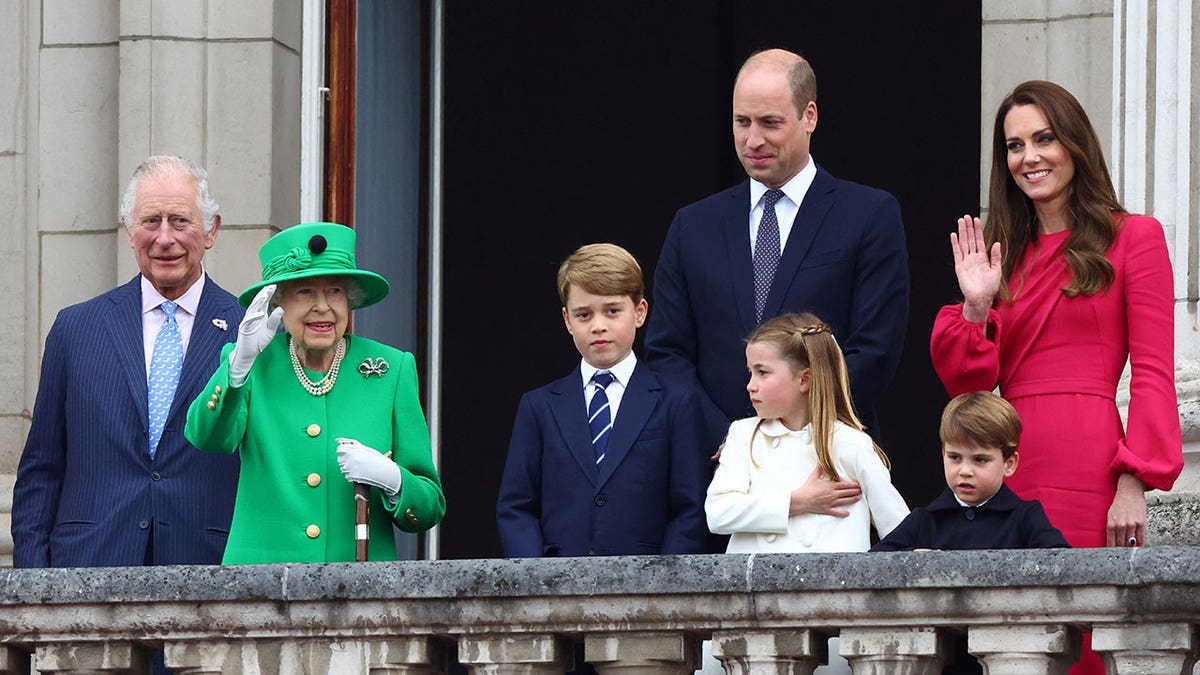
pixel 326 383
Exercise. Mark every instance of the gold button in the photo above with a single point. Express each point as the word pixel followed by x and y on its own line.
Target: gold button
pixel 314 430
pixel 212 406
pixel 312 531
pixel 215 398
pixel 217 389
pixel 314 479
pixel 411 518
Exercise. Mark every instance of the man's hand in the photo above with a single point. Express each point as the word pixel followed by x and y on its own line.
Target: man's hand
pixel 819 495
pixel 254 334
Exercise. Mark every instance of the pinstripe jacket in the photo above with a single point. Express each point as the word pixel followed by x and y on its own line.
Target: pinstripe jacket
pixel 87 493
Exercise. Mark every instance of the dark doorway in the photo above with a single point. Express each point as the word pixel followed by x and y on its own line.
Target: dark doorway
pixel 570 123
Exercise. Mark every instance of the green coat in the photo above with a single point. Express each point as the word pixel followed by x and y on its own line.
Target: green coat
pixel 290 480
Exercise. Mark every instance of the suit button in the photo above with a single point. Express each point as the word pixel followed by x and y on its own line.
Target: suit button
pixel 969 514
pixel 591 551
pixel 600 500
pixel 313 430
pixel 312 531
pixel 770 538
pixel 217 388
pixel 211 405
pixel 155 476
pixel 313 480
pixel 144 524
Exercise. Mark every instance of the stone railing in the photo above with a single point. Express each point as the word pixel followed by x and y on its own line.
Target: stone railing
pixel 1021 611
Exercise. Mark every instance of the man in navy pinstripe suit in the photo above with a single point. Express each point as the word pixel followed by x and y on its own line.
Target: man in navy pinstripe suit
pixel 89 491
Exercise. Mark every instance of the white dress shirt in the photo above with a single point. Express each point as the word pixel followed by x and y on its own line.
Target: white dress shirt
pixel 621 374
pixel 787 206
pixel 153 316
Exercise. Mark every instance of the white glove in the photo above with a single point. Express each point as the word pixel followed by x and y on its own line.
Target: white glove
pixel 255 333
pixel 361 464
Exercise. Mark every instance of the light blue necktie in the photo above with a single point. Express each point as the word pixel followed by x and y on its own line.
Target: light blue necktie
pixel 165 364
pixel 599 414
pixel 766 252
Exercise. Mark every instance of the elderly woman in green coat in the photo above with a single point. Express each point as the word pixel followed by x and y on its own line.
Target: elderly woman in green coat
pixel 315 411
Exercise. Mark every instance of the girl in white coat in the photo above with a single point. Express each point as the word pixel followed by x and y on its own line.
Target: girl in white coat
pixel 806 423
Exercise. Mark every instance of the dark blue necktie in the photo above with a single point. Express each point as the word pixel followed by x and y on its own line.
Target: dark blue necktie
pixel 766 252
pixel 599 414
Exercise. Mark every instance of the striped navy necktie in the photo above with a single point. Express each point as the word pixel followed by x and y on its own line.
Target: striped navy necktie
pixel 600 415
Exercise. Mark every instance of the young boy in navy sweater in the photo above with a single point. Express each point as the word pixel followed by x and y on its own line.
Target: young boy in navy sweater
pixel 979 433
pixel 607 460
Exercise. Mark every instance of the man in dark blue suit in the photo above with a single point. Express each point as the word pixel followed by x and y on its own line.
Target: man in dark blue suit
pixel 832 247
pixel 607 460
pixel 103 481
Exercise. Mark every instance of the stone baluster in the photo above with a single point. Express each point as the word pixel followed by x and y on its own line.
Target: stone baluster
pixel 1025 649
pixel 13 661
pixel 93 658
pixel 1146 648
pixel 196 658
pixel 516 654
pixel 642 653
pixel 407 656
pixel 797 652
pixel 894 651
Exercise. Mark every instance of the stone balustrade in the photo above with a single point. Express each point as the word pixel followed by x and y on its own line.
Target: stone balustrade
pixel 1022 612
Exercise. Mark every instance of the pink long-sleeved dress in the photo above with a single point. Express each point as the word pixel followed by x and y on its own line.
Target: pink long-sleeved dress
pixel 1057 359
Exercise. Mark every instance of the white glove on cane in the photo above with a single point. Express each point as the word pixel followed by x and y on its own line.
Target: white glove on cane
pixel 254 334
pixel 361 464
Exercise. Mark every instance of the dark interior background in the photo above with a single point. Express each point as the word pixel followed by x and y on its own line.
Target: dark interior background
pixel 571 123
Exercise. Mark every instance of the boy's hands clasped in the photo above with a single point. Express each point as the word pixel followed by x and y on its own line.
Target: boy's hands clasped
pixel 819 495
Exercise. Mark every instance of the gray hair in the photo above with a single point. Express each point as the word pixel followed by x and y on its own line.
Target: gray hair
pixel 169 165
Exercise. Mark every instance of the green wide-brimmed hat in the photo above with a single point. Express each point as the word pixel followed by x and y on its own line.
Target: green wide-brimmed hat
pixel 315 250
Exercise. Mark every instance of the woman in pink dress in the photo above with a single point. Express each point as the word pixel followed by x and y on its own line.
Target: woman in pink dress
pixel 1059 289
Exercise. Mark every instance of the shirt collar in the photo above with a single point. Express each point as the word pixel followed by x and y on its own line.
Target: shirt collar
pixel 621 372
pixel 1004 500
pixel 795 189
pixel 189 301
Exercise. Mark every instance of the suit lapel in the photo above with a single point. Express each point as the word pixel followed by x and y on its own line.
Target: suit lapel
pixel 735 219
pixel 566 405
pixel 637 404
pixel 204 345
pixel 809 220
pixel 124 328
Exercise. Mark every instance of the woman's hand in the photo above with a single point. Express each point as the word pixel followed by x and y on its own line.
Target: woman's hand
pixel 254 334
pixel 1127 516
pixel 362 464
pixel 978 269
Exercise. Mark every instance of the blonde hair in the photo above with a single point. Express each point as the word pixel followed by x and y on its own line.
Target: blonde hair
pixel 804 341
pixel 603 269
pixel 981 419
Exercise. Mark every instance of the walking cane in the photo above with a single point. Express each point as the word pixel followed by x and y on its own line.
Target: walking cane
pixel 362 512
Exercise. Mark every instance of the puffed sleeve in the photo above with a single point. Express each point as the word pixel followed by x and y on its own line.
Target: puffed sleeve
pixel 966 354
pixel 1152 448
pixel 730 506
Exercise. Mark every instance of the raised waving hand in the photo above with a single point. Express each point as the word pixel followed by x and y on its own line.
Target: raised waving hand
pixel 978 269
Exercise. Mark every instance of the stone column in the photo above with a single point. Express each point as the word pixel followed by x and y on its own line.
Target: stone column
pixel 93 658
pixel 1146 648
pixel 516 654
pixel 797 652
pixel 13 661
pixel 406 656
pixel 894 651
pixel 1024 649
pixel 1156 124
pixel 642 653
pixel 196 658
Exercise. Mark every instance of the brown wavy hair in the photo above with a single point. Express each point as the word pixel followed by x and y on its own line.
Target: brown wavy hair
pixel 1093 208
pixel 804 341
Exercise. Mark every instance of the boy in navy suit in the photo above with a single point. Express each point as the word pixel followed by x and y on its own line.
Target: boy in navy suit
pixel 979 432
pixel 606 461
